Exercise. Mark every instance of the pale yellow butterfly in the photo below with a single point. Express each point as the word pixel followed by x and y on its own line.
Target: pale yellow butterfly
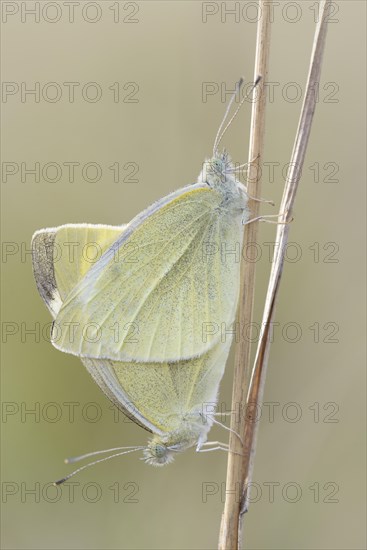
pixel 176 279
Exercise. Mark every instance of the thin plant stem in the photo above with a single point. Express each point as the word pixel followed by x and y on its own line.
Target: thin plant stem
pixel 240 468
pixel 257 382
pixel 235 469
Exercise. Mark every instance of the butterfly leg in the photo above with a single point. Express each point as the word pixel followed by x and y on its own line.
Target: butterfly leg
pixel 264 219
pixel 257 199
pixel 218 446
pixel 226 428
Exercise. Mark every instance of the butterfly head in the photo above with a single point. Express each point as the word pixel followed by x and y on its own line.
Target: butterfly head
pixel 158 453
pixel 217 169
pixel 161 450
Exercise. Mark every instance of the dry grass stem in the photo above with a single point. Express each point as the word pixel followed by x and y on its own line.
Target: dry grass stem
pixel 239 473
pixel 235 469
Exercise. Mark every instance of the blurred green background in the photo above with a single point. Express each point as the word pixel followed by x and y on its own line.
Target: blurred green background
pixel 309 474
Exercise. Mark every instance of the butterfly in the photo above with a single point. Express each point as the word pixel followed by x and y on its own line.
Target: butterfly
pixel 138 317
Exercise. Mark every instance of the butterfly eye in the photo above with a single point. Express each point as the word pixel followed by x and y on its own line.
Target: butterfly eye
pixel 160 451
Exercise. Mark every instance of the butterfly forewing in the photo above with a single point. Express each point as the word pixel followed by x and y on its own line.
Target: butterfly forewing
pixel 154 293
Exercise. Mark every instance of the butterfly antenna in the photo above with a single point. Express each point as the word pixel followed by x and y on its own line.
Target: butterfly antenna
pixel 219 139
pixel 74 459
pixel 60 481
pixel 216 141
